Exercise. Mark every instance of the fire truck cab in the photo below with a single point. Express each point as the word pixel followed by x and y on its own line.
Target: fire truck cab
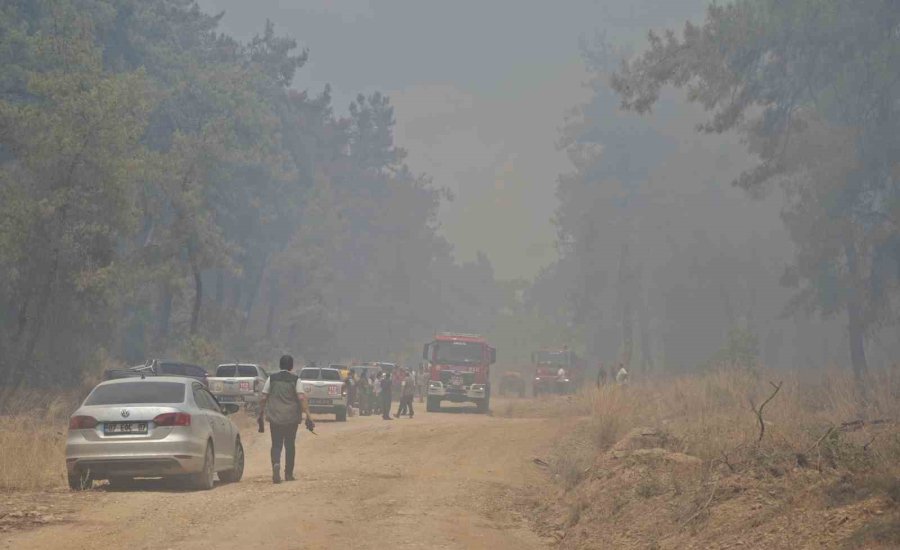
pixel 459 370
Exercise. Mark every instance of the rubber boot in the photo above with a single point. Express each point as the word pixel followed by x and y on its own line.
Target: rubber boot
pixel 276 473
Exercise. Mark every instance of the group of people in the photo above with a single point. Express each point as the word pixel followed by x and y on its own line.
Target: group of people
pixel 619 376
pixel 373 393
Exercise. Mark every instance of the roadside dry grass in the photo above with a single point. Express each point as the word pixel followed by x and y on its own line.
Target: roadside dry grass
pixel 680 460
pixel 33 428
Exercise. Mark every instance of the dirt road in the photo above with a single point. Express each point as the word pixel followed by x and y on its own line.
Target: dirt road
pixel 435 481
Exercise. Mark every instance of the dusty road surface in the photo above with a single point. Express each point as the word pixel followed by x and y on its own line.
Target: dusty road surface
pixel 435 481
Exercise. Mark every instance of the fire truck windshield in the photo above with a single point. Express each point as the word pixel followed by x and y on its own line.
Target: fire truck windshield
pixel 458 353
pixel 559 358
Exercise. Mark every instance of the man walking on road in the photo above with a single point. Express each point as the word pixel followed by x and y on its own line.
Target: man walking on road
pixel 283 404
pixel 407 392
pixel 385 384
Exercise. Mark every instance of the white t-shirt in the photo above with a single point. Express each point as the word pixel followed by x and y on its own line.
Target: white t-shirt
pixel 300 391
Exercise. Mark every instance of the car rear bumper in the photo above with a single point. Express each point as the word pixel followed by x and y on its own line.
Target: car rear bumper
pixel 242 398
pixel 170 456
pixel 321 408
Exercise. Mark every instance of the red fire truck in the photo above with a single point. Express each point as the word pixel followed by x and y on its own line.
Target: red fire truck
pixel 547 365
pixel 459 370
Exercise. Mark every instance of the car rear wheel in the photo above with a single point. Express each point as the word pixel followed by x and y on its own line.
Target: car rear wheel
pixel 81 481
pixel 341 414
pixel 237 471
pixel 204 479
pixel 484 405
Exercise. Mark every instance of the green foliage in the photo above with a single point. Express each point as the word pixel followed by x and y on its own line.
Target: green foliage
pixel 813 88
pixel 163 191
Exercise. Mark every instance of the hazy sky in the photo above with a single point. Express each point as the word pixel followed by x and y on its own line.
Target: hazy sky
pixel 481 89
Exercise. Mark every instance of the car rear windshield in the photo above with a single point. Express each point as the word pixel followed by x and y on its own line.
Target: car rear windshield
pixel 143 392
pixel 243 371
pixel 320 374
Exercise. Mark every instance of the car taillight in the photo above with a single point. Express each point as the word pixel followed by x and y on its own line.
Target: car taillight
pixel 82 423
pixel 173 419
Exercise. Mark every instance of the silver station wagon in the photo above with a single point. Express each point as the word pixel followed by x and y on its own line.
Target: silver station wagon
pixel 159 426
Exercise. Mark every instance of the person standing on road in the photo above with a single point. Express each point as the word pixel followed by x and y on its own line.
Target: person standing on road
pixel 561 380
pixel 408 393
pixel 283 403
pixel 385 384
pixel 376 394
pixel 622 375
pixel 363 391
pixel 601 374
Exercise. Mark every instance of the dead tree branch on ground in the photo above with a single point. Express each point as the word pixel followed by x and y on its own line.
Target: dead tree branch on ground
pixel 759 411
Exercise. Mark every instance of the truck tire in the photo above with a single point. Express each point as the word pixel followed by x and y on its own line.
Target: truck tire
pixel 341 414
pixel 484 405
pixel 433 405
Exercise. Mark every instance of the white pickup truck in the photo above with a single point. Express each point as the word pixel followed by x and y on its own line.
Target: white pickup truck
pixel 325 391
pixel 239 383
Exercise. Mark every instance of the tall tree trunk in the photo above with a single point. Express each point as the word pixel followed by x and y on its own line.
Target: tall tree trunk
pixel 220 287
pixel 643 322
pixel 255 284
pixel 857 341
pixel 856 325
pixel 165 315
pixel 623 288
pixel 41 313
pixel 198 298
pixel 273 302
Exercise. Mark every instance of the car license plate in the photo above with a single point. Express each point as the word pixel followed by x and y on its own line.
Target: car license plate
pixel 456 380
pixel 314 401
pixel 125 428
pixel 228 398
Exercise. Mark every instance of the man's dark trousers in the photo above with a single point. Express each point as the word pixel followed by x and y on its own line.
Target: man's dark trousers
pixel 386 404
pixel 283 435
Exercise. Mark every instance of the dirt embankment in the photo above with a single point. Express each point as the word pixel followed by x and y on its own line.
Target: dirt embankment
pixel 683 464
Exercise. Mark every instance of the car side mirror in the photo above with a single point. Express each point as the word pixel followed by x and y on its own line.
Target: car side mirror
pixel 229 408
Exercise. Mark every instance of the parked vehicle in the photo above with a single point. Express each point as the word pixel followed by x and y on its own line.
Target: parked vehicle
pixel 154 426
pixel 546 365
pixel 157 367
pixel 343 369
pixel 240 383
pixel 326 391
pixel 459 370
